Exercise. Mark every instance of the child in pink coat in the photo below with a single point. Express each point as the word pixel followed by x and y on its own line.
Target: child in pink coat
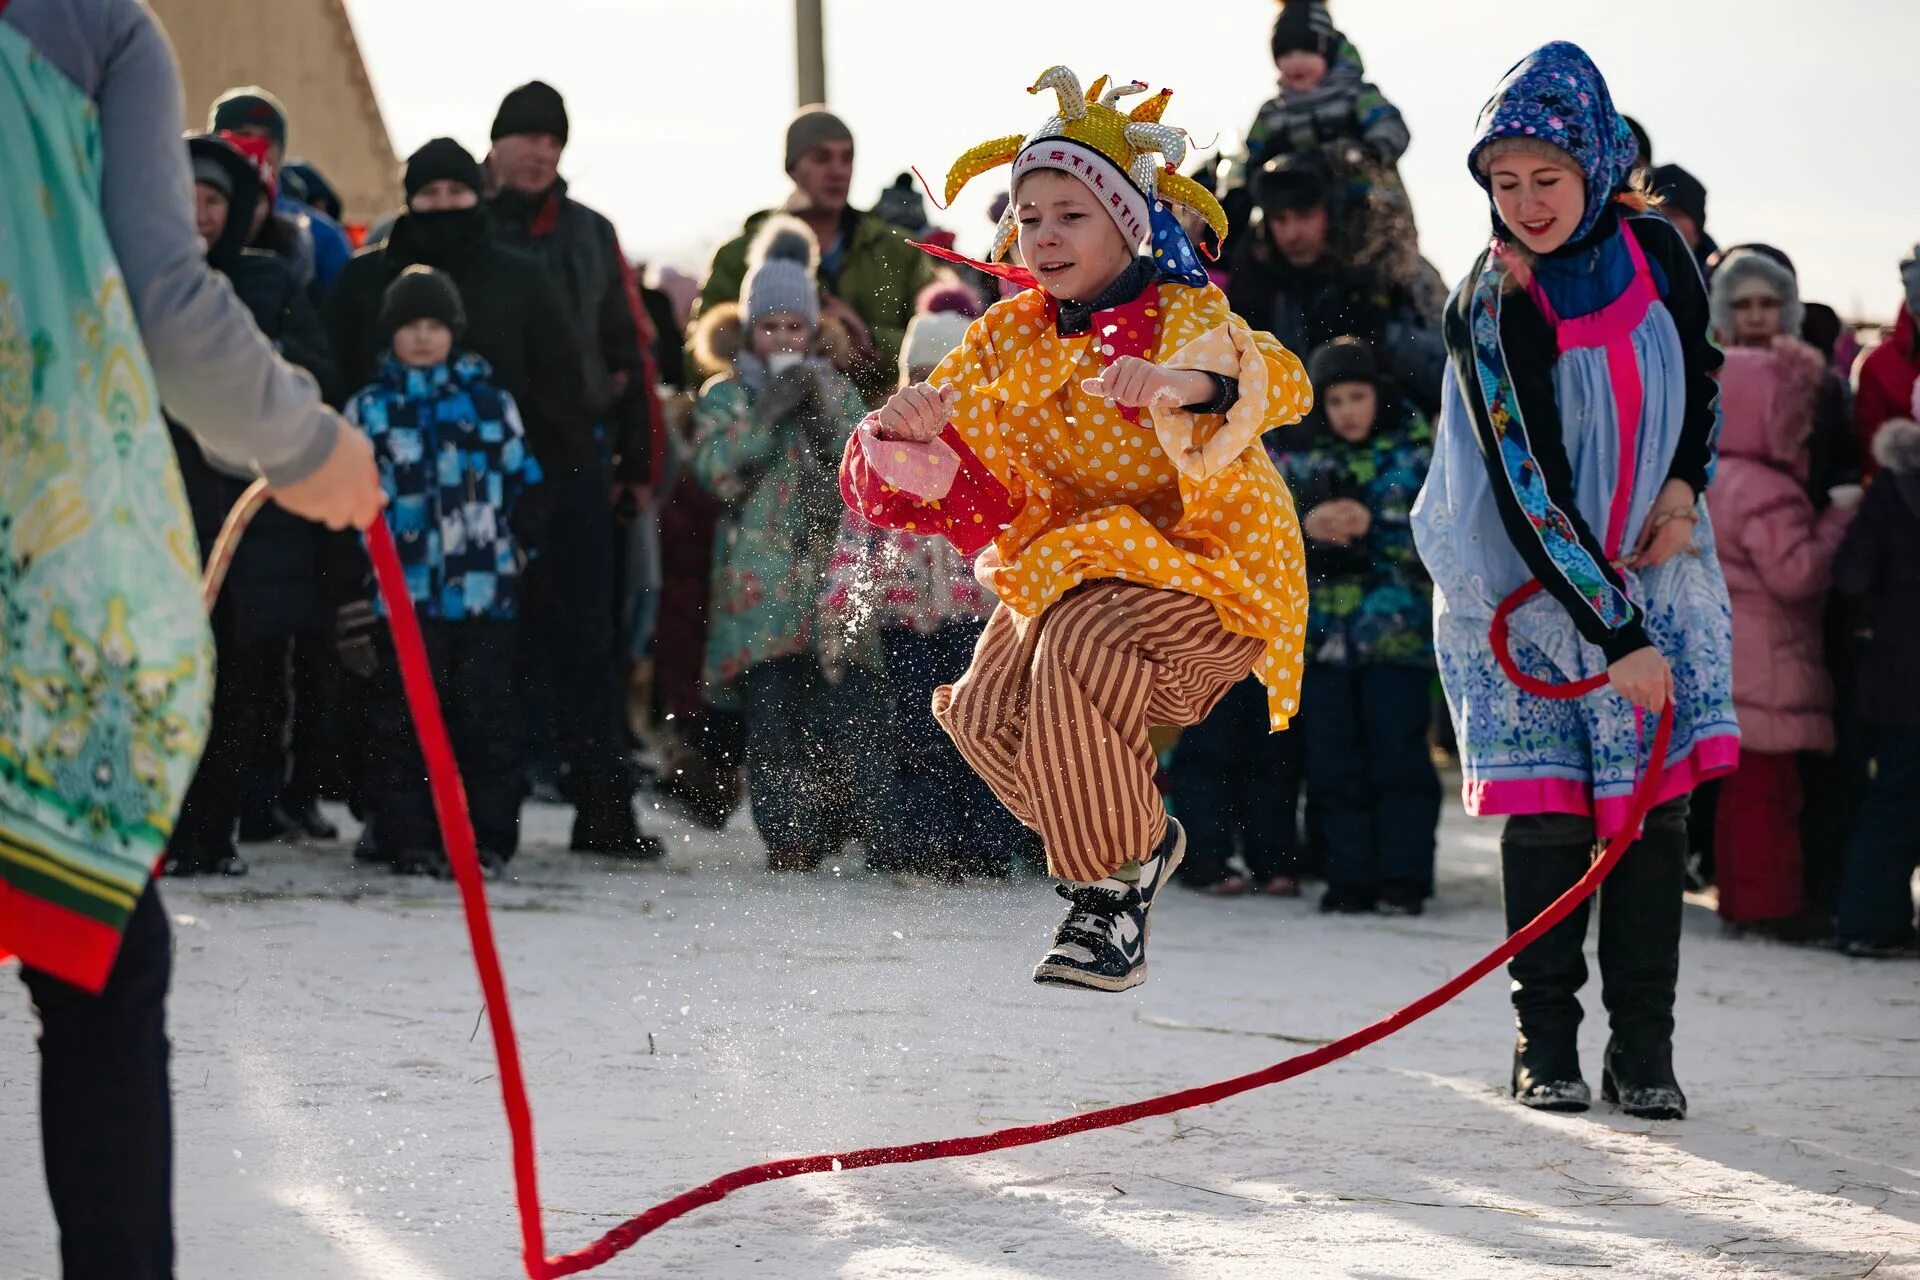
pixel 1777 554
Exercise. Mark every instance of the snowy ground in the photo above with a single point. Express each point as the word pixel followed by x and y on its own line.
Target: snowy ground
pixel 338 1116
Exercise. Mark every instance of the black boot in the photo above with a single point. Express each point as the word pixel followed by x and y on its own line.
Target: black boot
pixel 1547 976
pixel 604 823
pixel 1640 910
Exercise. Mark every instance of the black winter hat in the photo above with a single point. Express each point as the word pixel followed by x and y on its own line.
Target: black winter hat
pixel 1342 360
pixel 443 160
pixel 250 106
pixel 1304 26
pixel 421 293
pixel 1294 182
pixel 535 107
pixel 1681 190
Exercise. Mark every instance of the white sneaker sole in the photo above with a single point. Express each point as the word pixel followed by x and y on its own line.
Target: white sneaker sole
pixel 1054 975
pixel 1174 859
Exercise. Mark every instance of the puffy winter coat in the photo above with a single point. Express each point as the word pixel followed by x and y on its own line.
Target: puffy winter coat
pixel 1879 565
pixel 1884 381
pixel 1777 553
pixel 877 273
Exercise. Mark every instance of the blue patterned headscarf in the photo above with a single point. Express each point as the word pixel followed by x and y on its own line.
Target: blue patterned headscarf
pixel 1555 94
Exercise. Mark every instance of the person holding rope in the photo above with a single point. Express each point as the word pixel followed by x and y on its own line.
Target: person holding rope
pixel 108 310
pixel 1574 445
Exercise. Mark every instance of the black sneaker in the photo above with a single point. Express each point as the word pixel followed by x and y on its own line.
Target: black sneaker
pixel 1102 944
pixel 1157 871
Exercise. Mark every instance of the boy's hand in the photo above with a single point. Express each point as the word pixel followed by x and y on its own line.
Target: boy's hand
pixel 1133 383
pixel 918 413
pixel 1340 521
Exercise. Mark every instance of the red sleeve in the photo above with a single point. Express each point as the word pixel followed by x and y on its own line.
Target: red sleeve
pixel 976 508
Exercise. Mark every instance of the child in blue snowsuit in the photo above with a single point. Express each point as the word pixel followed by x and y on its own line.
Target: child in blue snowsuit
pixel 454 463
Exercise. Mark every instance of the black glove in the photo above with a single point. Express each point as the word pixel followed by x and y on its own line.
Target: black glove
pixel 358 635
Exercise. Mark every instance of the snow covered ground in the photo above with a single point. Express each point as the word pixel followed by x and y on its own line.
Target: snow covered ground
pixel 338 1116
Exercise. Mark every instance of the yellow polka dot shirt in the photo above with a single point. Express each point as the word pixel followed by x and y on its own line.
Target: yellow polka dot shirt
pixel 1190 502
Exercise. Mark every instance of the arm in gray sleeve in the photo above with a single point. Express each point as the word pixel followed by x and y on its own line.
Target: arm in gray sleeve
pixel 217 375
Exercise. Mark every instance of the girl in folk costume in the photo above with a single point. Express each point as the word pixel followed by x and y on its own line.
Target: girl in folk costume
pixel 1096 438
pixel 1575 442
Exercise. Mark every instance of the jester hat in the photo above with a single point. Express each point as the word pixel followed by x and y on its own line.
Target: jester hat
pixel 1128 160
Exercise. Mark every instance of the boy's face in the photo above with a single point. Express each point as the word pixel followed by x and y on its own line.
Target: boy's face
pixel 1300 69
pixel 780 332
pixel 1066 239
pixel 421 344
pixel 1350 408
pixel 210 206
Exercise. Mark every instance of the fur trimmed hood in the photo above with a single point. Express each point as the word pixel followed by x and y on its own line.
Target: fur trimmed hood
pixel 1767 401
pixel 1743 268
pixel 1896 446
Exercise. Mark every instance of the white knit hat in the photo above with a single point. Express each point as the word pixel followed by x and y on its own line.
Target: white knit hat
pixel 930 336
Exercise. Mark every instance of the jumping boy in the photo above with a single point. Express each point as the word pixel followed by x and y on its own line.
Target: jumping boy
pixel 1101 431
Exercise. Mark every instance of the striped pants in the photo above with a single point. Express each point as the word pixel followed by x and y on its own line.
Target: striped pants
pixel 1054 712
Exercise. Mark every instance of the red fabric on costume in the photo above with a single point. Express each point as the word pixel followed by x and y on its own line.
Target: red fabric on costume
pixel 973 512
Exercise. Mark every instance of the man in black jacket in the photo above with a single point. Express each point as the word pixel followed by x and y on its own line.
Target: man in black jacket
pixel 1291 277
pixel 571 590
pixel 516 321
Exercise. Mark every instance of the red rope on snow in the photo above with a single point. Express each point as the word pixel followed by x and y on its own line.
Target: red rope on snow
pixel 449 798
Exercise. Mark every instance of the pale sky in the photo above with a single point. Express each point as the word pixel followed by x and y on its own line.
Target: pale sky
pixel 1801 116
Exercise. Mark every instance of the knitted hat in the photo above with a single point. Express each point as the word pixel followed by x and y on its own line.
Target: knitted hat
pixel 1746 271
pixel 209 172
pixel 780 267
pixel 421 293
pixel 1680 190
pixel 252 105
pixel 442 160
pixel 815 126
pixel 1342 360
pixel 1304 26
pixel 1125 160
pixel 255 149
pixel 942 315
pixel 535 107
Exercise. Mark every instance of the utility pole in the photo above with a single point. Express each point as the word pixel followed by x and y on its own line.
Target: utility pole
pixel 810 43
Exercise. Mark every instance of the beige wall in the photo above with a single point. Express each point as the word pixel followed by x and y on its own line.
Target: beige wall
pixel 306 54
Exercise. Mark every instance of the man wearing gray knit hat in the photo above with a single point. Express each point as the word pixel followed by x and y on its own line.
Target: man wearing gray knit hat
pixel 868 273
